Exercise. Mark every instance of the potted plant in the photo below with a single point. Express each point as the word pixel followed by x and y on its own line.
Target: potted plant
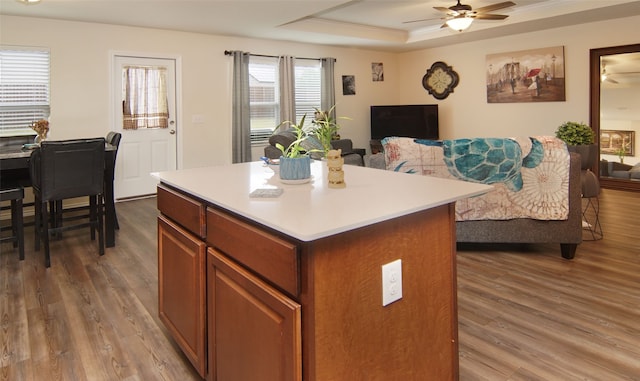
pixel 325 128
pixel 579 138
pixel 295 162
pixel 621 152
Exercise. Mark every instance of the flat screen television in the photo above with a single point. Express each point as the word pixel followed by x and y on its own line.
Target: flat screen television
pixel 413 121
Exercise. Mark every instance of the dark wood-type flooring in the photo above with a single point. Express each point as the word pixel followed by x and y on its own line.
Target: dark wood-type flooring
pixel 524 312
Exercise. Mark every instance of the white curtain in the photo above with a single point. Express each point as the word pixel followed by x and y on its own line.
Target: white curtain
pixel 145 103
pixel 287 76
pixel 241 119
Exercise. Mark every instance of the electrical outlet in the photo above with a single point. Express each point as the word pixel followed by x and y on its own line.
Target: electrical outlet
pixel 391 282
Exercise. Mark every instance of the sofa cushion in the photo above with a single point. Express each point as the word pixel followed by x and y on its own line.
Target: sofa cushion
pixel 635 168
pixel 285 138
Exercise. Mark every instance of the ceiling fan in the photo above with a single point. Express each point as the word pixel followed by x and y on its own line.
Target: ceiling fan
pixel 460 16
pixel 605 77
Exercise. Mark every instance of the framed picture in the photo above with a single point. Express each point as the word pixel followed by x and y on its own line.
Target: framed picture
pixel 535 75
pixel 377 72
pixel 348 85
pixel 617 142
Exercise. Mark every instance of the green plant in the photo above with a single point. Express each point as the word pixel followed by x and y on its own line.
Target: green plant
pixel 575 134
pixel 325 128
pixel 622 152
pixel 296 148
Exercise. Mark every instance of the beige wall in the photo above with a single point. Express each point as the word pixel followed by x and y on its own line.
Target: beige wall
pixel 466 111
pixel 81 78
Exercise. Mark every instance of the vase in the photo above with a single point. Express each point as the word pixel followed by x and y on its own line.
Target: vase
pixel 295 168
pixel 588 154
pixel 39 138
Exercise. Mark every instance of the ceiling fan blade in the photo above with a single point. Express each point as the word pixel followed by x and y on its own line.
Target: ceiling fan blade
pixel 495 7
pixel 421 20
pixel 442 9
pixel 485 16
pixel 609 79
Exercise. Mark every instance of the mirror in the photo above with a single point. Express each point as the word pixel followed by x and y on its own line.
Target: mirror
pixel 615 114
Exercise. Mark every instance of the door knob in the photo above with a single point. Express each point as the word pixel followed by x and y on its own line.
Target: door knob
pixel 172 132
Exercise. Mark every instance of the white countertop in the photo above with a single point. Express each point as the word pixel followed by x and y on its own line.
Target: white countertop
pixel 313 210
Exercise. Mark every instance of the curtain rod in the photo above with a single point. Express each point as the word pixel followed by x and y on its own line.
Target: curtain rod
pixel 229 52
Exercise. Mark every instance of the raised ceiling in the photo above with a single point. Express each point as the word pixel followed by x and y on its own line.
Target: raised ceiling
pixel 370 24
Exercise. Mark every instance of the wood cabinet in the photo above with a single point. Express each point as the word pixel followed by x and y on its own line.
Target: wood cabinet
pixel 254 330
pixel 181 276
pixel 278 308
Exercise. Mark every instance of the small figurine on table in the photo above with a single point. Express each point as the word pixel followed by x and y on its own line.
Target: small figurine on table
pixel 335 173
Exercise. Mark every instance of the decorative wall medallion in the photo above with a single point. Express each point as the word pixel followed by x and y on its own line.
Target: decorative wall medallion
pixel 440 80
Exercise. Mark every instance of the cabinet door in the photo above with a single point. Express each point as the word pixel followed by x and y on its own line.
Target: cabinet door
pixel 181 289
pixel 254 330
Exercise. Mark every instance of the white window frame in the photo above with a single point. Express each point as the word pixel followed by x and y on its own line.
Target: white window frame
pixel 25 86
pixel 307 85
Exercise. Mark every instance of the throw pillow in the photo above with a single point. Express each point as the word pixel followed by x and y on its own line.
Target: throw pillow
pixel 285 138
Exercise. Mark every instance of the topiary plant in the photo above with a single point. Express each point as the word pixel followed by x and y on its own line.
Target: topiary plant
pixel 575 134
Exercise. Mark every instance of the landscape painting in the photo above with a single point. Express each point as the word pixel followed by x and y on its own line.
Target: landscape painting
pixel 617 142
pixel 535 75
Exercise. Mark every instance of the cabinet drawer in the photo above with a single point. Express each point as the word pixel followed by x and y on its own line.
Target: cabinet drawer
pixel 184 210
pixel 267 255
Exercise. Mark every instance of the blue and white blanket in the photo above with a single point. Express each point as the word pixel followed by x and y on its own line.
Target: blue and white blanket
pixel 530 175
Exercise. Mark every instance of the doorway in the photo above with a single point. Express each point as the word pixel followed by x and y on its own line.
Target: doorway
pixel 145 114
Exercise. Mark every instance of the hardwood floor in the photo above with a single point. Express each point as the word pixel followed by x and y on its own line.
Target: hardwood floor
pixel 527 314
pixel 88 317
pixel 524 312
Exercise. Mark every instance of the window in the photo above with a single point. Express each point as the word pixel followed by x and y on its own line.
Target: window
pixel 307 87
pixel 264 104
pixel 145 102
pixel 264 95
pixel 24 89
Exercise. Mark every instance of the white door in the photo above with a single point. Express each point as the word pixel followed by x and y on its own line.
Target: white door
pixel 144 150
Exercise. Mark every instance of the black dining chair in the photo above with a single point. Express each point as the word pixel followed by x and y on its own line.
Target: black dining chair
pixel 63 170
pixel 114 138
pixel 15 194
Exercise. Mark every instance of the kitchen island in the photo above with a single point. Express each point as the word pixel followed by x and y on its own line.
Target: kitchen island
pixel 291 287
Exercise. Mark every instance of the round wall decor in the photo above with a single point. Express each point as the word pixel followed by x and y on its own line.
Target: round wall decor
pixel 440 80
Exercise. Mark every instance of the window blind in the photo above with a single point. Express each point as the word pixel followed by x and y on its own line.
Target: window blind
pixel 265 100
pixel 24 89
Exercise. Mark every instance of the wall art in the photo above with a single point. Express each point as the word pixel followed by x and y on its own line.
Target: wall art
pixel 377 72
pixel 617 142
pixel 348 85
pixel 534 75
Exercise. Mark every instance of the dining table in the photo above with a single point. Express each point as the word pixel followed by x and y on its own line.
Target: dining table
pixel 14 161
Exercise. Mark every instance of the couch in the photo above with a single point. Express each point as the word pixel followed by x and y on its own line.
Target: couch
pixel 478 223
pixel 351 156
pixel 619 170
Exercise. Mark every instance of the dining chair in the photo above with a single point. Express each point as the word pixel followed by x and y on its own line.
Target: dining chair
pixel 114 138
pixel 15 194
pixel 67 169
pixel 72 213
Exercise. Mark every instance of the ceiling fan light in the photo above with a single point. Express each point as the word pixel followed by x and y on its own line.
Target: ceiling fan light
pixel 459 23
pixel 28 1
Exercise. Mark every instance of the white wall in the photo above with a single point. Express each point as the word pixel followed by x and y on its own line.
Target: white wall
pixel 80 70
